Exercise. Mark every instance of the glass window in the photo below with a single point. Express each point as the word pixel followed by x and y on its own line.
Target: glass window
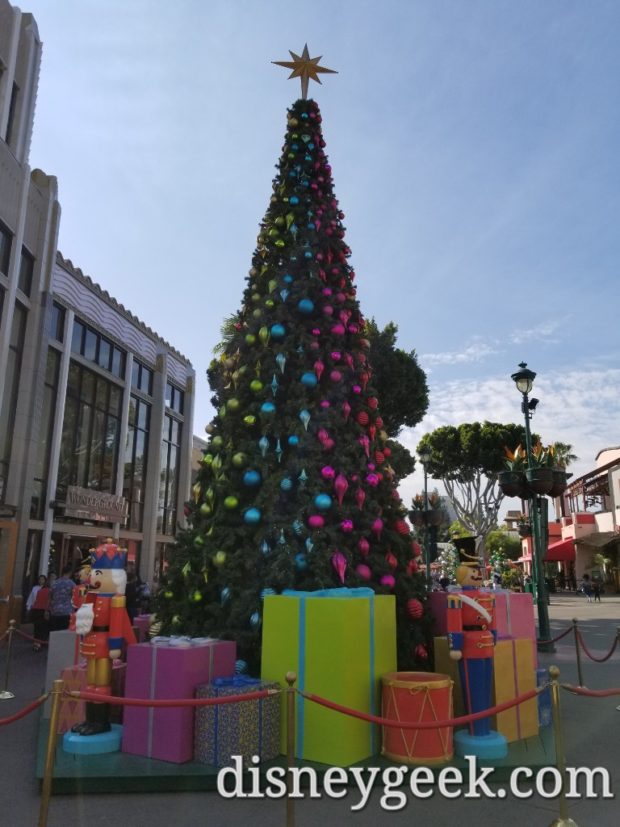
pixel 146 380
pixel 105 353
pixel 78 337
pixel 118 363
pixel 11 391
pixel 169 475
pixel 12 110
pixel 116 397
pixel 6 238
pixel 56 322
pixel 90 345
pixel 135 459
pixel 26 272
pixel 135 374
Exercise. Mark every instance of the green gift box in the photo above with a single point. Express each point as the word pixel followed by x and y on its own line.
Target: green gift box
pixel 338 642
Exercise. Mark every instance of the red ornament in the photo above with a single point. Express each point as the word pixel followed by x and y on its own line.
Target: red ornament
pixel 415 609
pixel 372 402
pixel 346 410
pixel 420 652
pixel 391 560
pixel 340 487
pixel 363 546
pixel 379 457
pixel 363 418
pixel 379 422
pixel 360 496
pixel 416 548
pixel 412 567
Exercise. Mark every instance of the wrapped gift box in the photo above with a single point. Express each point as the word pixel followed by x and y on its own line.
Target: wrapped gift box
pixel 62 651
pixel 513 674
pixel 142 624
pixel 240 728
pixel 339 642
pixel 74 711
pixel 169 671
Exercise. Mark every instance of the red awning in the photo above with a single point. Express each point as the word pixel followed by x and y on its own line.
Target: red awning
pixel 562 551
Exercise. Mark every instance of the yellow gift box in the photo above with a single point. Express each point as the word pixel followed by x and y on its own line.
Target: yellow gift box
pixel 513 674
pixel 338 642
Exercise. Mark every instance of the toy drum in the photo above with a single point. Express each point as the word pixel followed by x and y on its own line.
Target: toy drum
pixel 415 697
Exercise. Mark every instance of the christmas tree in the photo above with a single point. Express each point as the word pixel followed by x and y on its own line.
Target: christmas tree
pixel 295 489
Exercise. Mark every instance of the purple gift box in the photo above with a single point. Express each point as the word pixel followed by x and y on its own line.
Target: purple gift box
pixel 169 671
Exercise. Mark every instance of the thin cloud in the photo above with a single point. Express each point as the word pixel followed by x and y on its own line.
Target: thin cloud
pixel 545 332
pixel 473 353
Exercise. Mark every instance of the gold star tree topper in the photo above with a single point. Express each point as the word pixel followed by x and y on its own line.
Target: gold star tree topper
pixel 305 68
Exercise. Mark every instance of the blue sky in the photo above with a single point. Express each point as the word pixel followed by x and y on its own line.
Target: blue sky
pixel 474 148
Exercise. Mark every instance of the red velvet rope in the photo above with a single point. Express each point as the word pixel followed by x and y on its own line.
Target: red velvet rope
pixel 559 637
pixel 451 722
pixel 165 702
pixel 33 639
pixel 590 655
pixel 25 711
pixel 590 693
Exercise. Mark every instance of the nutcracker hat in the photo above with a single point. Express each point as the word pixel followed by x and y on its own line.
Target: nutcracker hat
pixel 108 555
pixel 466 547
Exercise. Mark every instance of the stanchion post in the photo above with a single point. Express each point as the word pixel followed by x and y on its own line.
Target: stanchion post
pixel 560 756
pixel 5 694
pixel 577 651
pixel 50 752
pixel 291 677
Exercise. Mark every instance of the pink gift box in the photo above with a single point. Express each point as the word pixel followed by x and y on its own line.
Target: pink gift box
pixel 142 623
pixel 164 671
pixel 514 614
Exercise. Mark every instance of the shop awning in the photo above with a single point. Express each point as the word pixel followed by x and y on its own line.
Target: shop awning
pixel 599 539
pixel 564 550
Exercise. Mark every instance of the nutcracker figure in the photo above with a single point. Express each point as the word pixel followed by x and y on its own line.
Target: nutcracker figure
pixel 471 639
pixel 104 623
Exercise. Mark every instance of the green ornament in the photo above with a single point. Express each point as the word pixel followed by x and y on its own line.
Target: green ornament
pixel 198 541
pixel 250 339
pixel 222 412
pixel 273 232
pixel 256 386
pixel 233 404
pixel 257 314
pixel 239 459
pixel 205 510
pixel 231 502
pixel 272 285
pixel 269 303
pixel 249 420
pixel 220 558
pixel 255 297
pixel 168 594
pixel 279 221
pixel 207 459
pixel 176 620
pixel 217 442
pixel 280 243
pixel 197 596
pixel 263 335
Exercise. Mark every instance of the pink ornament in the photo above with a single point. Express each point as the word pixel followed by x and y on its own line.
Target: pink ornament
pixel 327 472
pixel 356 389
pixel 328 310
pixel 326 291
pixel 319 367
pixel 388 580
pixel 335 376
pixel 314 345
pixel 346 410
pixel 316 521
pixel 325 403
pixel 353 328
pixel 328 444
pixel 363 547
pixel 365 443
pixel 340 487
pixel 349 360
pixel 372 480
pixel 335 355
pixel 339 562
pixel 377 527
pixel 371 466
pixel 360 496
pixel 362 571
pixel 316 331
pixel 322 435
pixel 338 330
pixel 340 297
pixel 354 477
pixel 346 526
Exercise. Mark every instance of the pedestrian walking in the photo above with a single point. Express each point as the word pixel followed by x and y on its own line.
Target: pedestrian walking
pixel 586 587
pixel 596 590
pixel 60 600
pixel 38 605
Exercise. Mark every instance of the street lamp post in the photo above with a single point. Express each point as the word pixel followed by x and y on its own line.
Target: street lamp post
pixel 425 457
pixel 524 380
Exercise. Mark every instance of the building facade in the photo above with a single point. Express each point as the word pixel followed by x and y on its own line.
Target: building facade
pixel 96 409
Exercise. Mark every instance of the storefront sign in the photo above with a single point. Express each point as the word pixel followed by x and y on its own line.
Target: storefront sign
pixel 95 505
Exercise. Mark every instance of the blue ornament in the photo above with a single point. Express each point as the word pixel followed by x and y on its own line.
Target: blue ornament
pixel 308 254
pixel 281 360
pixel 305 416
pixel 309 544
pixel 293 200
pixel 267 408
pixel 301 561
pixel 293 440
pixel 241 667
pixel 251 478
pixel 304 116
pixel 305 306
pixel 278 450
pixel 274 385
pixel 263 444
pixel 310 145
pixel 267 592
pixel 252 516
pixel 286 484
pixel 311 225
pixel 277 331
pixel 287 278
pixel 225 595
pixel 323 502
pixel 293 230
pixel 265 547
pixel 295 147
pixel 255 620
pixel 303 477
pixel 284 294
pixel 298 527
pixel 282 538
pixel 309 380
pixel 305 183
pixel 307 157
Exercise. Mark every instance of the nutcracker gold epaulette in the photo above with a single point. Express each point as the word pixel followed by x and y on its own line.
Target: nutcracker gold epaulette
pixel 454 601
pixel 118 600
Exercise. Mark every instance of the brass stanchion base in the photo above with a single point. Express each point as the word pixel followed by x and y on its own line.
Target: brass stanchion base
pixel 563 822
pixel 544 646
pixel 5 695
